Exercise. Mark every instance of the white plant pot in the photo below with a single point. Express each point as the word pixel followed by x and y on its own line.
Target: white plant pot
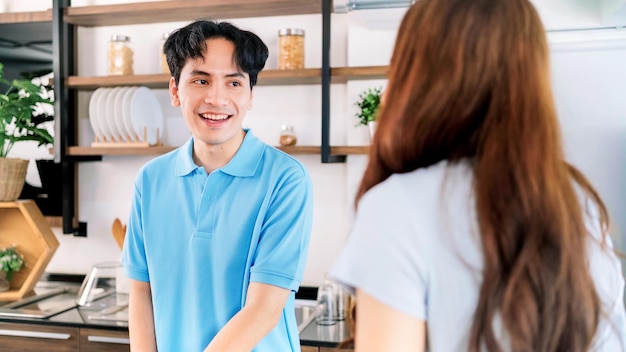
pixel 372 127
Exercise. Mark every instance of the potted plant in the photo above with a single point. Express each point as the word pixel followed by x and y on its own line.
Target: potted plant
pixel 10 262
pixel 368 103
pixel 20 99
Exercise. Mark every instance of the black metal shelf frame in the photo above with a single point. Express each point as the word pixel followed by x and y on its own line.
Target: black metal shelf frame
pixel 64 111
pixel 327 157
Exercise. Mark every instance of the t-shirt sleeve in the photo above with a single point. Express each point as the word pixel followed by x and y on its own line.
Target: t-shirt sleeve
pixel 382 254
pixel 283 246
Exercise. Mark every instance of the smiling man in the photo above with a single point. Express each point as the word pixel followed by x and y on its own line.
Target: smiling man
pixel 219 228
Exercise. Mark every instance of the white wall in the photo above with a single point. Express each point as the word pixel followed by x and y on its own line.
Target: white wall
pixel 589 88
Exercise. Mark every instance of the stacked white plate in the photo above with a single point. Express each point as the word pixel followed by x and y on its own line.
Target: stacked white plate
pixel 126 115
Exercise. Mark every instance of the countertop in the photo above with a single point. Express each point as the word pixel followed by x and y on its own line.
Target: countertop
pixel 312 335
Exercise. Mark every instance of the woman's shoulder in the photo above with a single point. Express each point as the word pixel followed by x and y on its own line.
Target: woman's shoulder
pixel 426 184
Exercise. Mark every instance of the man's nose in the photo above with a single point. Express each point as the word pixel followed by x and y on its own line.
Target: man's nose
pixel 216 95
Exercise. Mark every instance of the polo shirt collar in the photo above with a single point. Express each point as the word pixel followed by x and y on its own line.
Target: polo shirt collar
pixel 243 164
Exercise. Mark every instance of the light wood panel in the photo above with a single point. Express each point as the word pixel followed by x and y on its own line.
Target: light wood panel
pixel 89 151
pixel 173 11
pixel 55 221
pixel 26 17
pixel 266 78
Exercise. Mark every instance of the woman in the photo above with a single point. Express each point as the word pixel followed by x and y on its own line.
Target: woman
pixel 472 232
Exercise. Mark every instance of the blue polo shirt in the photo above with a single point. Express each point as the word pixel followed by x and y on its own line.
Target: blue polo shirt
pixel 200 239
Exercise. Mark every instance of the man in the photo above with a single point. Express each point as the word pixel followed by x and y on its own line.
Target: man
pixel 219 230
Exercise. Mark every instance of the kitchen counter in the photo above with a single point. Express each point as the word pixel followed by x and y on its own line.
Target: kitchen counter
pixel 325 335
pixel 78 317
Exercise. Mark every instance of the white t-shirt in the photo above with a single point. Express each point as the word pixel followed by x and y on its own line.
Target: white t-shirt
pixel 415 247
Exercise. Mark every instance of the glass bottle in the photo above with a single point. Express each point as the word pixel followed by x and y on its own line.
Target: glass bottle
pixel 290 48
pixel 120 56
pixel 163 58
pixel 326 304
pixel 287 136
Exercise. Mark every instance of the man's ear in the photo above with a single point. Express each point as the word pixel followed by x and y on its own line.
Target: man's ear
pixel 251 99
pixel 174 99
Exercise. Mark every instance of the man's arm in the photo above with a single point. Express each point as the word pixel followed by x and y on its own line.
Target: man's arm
pixel 140 317
pixel 261 313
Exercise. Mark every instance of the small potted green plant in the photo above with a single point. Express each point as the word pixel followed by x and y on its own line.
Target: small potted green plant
pixel 19 121
pixel 368 103
pixel 10 262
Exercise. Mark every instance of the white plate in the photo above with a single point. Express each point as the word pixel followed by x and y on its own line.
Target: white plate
pixel 118 114
pixel 101 115
pixel 146 115
pixel 126 113
pixel 93 113
pixel 110 114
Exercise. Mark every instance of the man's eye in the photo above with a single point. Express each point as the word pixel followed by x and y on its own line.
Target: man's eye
pixel 235 84
pixel 200 81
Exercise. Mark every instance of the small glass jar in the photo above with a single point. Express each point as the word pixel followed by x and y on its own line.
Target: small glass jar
pixel 163 58
pixel 287 136
pixel 120 56
pixel 326 299
pixel 290 48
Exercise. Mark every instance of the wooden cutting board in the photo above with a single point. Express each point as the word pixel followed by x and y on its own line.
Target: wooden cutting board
pixel 119 232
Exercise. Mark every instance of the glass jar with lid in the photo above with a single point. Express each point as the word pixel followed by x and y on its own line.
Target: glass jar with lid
pixel 287 136
pixel 163 58
pixel 290 48
pixel 120 55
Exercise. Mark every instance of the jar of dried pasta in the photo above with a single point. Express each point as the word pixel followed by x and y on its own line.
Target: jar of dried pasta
pixel 290 48
pixel 120 55
pixel 162 57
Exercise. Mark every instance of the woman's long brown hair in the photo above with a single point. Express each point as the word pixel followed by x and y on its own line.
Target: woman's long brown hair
pixel 469 79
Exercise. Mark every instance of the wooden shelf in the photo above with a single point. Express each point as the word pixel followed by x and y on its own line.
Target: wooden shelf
pixel 54 221
pixel 23 225
pixel 95 151
pixel 94 82
pixel 120 151
pixel 339 150
pixel 173 11
pixel 345 74
pixel 26 17
pixel 266 78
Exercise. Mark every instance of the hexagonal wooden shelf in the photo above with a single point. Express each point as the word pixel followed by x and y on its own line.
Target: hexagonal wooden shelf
pixel 23 225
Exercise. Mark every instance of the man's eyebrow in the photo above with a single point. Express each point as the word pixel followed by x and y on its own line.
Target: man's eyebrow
pixel 235 74
pixel 230 75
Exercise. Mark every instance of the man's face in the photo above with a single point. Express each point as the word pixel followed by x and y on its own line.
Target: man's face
pixel 214 95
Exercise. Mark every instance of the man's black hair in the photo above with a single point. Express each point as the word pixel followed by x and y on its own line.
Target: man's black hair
pixel 189 42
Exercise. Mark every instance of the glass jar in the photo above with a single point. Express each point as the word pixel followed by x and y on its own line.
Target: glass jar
pixel 327 311
pixel 287 136
pixel 290 48
pixel 120 56
pixel 163 58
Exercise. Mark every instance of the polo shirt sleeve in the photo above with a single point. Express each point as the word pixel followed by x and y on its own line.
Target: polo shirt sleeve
pixel 284 240
pixel 381 256
pixel 133 253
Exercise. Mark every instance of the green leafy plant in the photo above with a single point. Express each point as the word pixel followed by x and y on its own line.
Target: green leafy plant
pixel 10 261
pixel 368 104
pixel 20 118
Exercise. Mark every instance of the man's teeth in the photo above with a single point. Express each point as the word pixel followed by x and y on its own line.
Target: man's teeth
pixel 214 117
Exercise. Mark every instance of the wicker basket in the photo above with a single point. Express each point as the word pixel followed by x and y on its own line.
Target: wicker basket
pixel 12 177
